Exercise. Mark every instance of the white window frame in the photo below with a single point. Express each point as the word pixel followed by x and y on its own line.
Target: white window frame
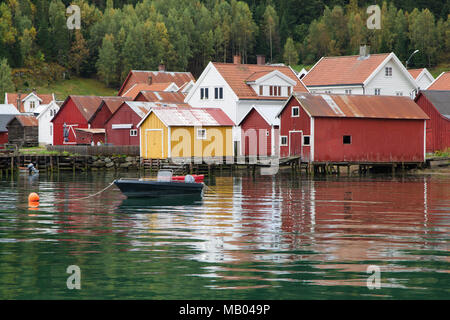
pixel 303 142
pixel 218 97
pixel 348 91
pixel 202 136
pixel 133 131
pixel 399 93
pixel 388 71
pixel 377 92
pixel 298 112
pixel 205 91
pixel 281 141
pixel 32 104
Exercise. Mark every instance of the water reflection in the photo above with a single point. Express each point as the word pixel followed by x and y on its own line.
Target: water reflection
pixel 262 237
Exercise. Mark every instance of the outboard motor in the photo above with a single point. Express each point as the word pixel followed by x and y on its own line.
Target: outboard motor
pixel 32 169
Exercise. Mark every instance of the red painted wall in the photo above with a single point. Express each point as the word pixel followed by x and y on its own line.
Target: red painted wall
pixel 438 127
pixel 289 123
pixel 372 140
pixel 121 137
pixel 3 139
pixel 70 115
pixel 101 117
pixel 252 141
pixel 86 138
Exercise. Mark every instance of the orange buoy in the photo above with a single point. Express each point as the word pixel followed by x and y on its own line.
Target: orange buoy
pixel 33 197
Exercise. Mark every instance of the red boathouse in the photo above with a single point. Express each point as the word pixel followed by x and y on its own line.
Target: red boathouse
pixel 259 131
pixel 325 128
pixel 436 104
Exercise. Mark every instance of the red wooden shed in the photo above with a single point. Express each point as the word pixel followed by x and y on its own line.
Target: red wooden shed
pixel 89 136
pixel 352 128
pixel 436 104
pixel 75 112
pixel 121 127
pixel 258 129
pixel 104 111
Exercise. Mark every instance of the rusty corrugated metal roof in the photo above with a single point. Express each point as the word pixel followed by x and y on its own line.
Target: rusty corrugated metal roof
pixel 359 106
pixel 164 96
pixel 27 121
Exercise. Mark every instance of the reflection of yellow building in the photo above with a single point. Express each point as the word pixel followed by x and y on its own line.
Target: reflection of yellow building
pixel 168 132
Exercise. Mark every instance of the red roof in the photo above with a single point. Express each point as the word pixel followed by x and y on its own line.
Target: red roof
pixel 343 70
pixel 442 82
pixel 139 76
pixel 112 103
pixel 236 75
pixel 415 72
pixel 138 87
pixel 27 121
pixel 11 98
pixel 359 106
pixel 163 96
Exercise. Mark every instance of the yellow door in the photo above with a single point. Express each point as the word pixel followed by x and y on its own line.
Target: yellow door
pixel 154 143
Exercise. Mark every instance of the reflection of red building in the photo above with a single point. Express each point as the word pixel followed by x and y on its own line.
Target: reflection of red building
pixel 352 128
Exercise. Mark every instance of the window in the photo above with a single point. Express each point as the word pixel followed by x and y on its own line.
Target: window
pixel 133 133
pixel 327 91
pixel 201 134
pixel 51 130
pixel 271 90
pixel 267 133
pixel 295 112
pixel 289 91
pixel 260 90
pixel 347 140
pixel 388 71
pixel 306 140
pixel 204 93
pixel 283 141
pixel 399 93
pixel 32 104
pixel 348 91
pixel 218 93
pixel 275 91
pixel 377 91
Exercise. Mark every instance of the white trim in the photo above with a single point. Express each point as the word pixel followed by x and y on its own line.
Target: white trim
pixel 281 141
pixel 122 126
pixel 197 136
pixel 169 144
pixel 271 75
pixel 311 139
pixel 272 141
pixel 303 142
pixel 424 139
pixel 298 112
pixel 29 95
pixel 133 130
pixel 162 141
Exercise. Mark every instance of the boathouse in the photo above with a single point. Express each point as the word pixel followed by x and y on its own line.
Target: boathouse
pixel 168 132
pixel 121 128
pixel 259 131
pixel 325 128
pixel 104 111
pixel 23 131
pixel 436 104
pixel 74 113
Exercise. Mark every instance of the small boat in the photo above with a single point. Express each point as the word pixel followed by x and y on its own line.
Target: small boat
pixel 198 178
pixel 162 187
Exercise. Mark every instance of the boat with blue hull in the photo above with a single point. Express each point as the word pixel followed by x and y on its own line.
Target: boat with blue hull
pixel 162 187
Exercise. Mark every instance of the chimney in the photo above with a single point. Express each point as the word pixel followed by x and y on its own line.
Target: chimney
pixel 150 80
pixel 364 51
pixel 237 59
pixel 162 67
pixel 260 59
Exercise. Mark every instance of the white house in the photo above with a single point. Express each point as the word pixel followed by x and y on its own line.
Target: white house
pixel 365 74
pixel 422 76
pixel 8 109
pixel 45 116
pixel 28 103
pixel 236 88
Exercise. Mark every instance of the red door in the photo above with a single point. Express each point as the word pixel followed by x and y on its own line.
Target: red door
pixel 295 143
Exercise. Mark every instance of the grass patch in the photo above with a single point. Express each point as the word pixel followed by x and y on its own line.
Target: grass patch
pixel 77 86
pixel 442 154
pixel 299 67
pixel 436 71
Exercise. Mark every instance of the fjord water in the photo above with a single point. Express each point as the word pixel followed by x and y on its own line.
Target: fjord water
pixel 268 237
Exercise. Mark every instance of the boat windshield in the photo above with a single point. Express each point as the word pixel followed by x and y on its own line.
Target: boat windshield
pixel 164 175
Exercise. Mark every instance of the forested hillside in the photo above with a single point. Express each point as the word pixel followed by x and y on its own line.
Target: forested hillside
pixel 117 36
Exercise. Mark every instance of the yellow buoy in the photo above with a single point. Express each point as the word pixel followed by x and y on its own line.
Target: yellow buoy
pixel 33 197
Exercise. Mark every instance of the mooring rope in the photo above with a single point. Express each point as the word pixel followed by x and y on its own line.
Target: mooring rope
pixel 90 196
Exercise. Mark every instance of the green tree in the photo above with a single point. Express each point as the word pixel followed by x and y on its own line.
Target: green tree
pixel 270 27
pixel 107 61
pixel 6 83
pixel 78 53
pixel 59 34
pixel 290 55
